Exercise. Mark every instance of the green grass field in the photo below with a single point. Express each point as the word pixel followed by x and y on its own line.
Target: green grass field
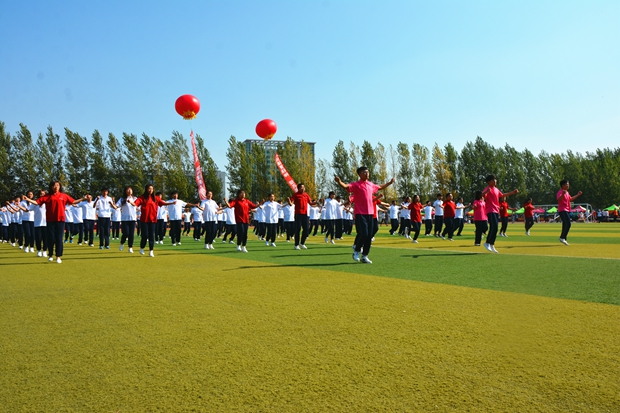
pixel 435 326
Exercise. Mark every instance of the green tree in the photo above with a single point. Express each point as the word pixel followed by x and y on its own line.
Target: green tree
pixel 342 167
pixel 442 175
pixel 307 169
pixel 368 158
pixel 289 154
pixel 452 161
pixel 132 162
pixel 324 178
pixel 100 173
pixel 78 173
pixel 118 178
pixel 422 171
pixel 153 160
pixel 261 174
pixel 7 180
pixel 177 176
pixel 25 161
pixel 50 159
pixel 404 179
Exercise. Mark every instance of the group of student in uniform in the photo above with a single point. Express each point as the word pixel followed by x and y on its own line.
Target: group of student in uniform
pixel 42 221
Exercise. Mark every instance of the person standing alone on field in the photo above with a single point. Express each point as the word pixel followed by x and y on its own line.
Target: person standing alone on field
pixel 564 200
pixel 364 208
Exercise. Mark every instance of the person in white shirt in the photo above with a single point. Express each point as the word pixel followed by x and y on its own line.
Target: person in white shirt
pixel 78 223
pixel 280 222
pixel 315 214
pixel 459 221
pixel 259 223
pixel 339 218
pixel 116 221
pixel 330 207
pixel 175 213
pixel 40 228
pixel 210 211
pixel 104 205
pixel 69 224
pixel 162 222
pixel 289 221
pixel 393 211
pixel 428 219
pixel 15 229
pixel 127 208
pixel 231 225
pixel 6 221
pixel 28 223
pixel 89 215
pixel 196 214
pixel 438 205
pixel 187 222
pixel 271 210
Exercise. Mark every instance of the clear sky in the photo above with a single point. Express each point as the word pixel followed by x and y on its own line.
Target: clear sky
pixel 542 75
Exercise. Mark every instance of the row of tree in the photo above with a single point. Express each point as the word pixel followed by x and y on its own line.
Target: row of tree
pixel 84 165
pixel 87 165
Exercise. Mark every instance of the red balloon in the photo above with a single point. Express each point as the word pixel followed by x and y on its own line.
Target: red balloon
pixel 266 128
pixel 187 106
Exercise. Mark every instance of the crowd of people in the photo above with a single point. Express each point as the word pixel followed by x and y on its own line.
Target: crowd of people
pixel 52 218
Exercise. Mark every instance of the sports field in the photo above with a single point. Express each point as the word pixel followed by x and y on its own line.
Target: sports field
pixel 437 326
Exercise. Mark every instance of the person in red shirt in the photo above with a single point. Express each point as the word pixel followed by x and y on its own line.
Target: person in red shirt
pixel 503 216
pixel 528 214
pixel 416 217
pixel 55 202
pixel 148 203
pixel 449 212
pixel 301 200
pixel 242 217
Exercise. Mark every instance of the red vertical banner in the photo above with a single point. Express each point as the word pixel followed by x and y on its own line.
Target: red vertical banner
pixel 202 189
pixel 287 177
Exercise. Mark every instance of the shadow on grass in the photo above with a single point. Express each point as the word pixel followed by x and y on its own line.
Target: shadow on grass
pixel 249 267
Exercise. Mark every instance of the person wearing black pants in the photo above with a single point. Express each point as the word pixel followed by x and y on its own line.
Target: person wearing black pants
pixel 104 205
pixel 438 205
pixel 564 200
pixel 301 200
pixel 55 203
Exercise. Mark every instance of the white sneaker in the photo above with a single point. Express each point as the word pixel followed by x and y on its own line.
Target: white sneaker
pixel 58 260
pixel 174 245
pixel 239 248
pixel 493 249
pixel 39 254
pixel 141 251
pixel 563 241
pixel 356 256
pixel 303 247
pixel 223 241
pixel 505 236
pixel 267 243
pixel 244 249
pixel 131 250
pixel 527 233
pixel 450 239
pixel 273 244
pixel 32 249
pixel 26 250
pixel 415 241
pixel 211 247
pixel 488 247
pixel 45 253
pixel 297 247
pixel 326 240
pixel 120 247
pixel 365 259
pixel 179 243
pixel 231 242
pixel 206 246
pixel 151 254
pixel 50 259
pixel 333 242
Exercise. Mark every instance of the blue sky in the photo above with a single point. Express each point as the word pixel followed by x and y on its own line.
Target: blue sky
pixel 542 75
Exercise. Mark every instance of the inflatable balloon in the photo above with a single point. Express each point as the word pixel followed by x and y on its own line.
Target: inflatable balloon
pixel 187 106
pixel 266 128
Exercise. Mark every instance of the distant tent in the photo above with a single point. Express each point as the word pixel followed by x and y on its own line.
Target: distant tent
pixel 578 208
pixel 612 208
pixel 552 210
pixel 520 211
pixel 538 211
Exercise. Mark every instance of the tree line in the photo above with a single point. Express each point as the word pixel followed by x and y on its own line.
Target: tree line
pixel 87 165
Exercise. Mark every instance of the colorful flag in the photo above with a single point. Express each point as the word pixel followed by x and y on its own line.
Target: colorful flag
pixel 202 190
pixel 287 177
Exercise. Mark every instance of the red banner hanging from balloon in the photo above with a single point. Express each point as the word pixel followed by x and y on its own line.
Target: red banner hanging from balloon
pixel 287 177
pixel 202 189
